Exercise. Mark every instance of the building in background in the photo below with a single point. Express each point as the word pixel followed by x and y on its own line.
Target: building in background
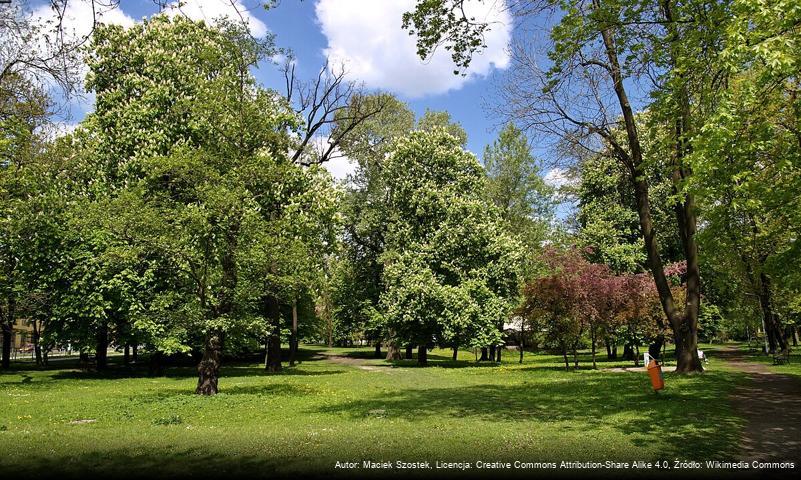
pixel 22 336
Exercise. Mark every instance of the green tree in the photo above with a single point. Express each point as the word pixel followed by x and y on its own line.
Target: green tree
pixel 432 119
pixel 206 173
pixel 450 268
pixel 516 187
pixel 596 52
pixel 358 282
pixel 23 114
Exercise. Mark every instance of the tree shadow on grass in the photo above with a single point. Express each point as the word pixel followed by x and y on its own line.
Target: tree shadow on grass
pixel 144 462
pixel 143 372
pixel 176 373
pixel 691 419
pixel 293 371
pixel 447 363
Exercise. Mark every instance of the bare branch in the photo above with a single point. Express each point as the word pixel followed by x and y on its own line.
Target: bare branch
pixel 327 101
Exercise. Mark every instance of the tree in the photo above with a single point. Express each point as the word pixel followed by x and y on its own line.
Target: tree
pixel 330 108
pixel 201 171
pixel 299 225
pixel 548 307
pixel 359 280
pixel 450 269
pixel 516 187
pixel 41 53
pixel 573 298
pixel 607 219
pixel 745 160
pixel 26 190
pixel 432 119
pixel 598 50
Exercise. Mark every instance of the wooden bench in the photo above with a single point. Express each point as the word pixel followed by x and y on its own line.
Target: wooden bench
pixel 782 358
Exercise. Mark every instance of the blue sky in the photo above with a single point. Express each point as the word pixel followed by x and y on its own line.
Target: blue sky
pixel 364 35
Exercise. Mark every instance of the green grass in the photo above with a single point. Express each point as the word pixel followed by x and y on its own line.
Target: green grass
pixel 792 368
pixel 318 412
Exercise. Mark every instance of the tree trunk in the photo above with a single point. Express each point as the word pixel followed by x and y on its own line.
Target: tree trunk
pixel 8 329
pixel 654 350
pixel 522 344
pixel 686 351
pixel 393 352
pixel 628 352
pixel 293 342
pixel 594 341
pixel 484 354
pixel 126 359
pixel 330 330
pixel 422 355
pixel 155 366
pixel 774 331
pixel 409 352
pixel 498 352
pixel 83 360
pixel 37 348
pixel 7 334
pixel 564 355
pixel 491 353
pixel 101 349
pixel 684 325
pixel 455 353
pixel 272 360
pixel 135 353
pixel 575 357
pixel 611 349
pixel 209 367
pixel 378 349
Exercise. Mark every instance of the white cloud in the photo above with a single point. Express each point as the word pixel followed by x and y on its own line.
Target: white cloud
pixel 79 17
pixel 366 36
pixel 61 129
pixel 210 10
pixel 76 25
pixel 557 178
pixel 340 167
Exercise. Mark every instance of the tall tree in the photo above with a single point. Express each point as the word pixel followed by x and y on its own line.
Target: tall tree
pixel 598 50
pixel 359 280
pixel 23 111
pixel 450 269
pixel 516 187
pixel 433 118
pixel 202 169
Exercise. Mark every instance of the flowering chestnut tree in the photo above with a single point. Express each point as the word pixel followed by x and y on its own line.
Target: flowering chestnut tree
pixel 451 270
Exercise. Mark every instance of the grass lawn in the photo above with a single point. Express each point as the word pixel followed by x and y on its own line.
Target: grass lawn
pixel 792 368
pixel 322 411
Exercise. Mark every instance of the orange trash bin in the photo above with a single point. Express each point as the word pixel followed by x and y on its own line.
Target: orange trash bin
pixel 655 372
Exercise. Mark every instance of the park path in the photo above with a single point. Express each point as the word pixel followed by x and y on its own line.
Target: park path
pixel 360 363
pixel 770 403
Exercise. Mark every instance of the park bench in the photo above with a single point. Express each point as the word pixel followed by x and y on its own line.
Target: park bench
pixel 782 358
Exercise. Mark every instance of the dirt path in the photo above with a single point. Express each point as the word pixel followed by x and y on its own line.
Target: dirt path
pixel 770 403
pixel 354 362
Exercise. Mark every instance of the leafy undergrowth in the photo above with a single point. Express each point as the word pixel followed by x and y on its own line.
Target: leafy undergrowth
pixel 323 411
